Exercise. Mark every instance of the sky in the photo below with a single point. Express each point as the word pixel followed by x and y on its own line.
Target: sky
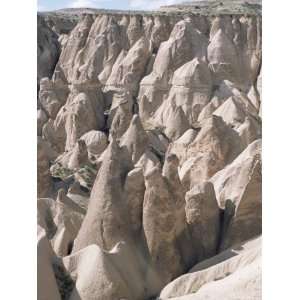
pixel 46 5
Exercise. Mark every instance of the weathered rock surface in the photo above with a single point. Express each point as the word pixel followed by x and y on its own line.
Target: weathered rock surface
pixel 238 270
pixel 47 288
pixel 68 220
pixel 161 226
pixel 239 184
pixel 53 94
pixel 121 112
pixel 216 145
pixel 61 23
pixel 184 44
pixel 96 142
pixel 135 139
pixel 149 128
pixel 61 221
pixel 222 56
pixel 203 219
pixel 134 190
pixel 97 274
pixel 47 49
pixel 44 181
pixel 107 220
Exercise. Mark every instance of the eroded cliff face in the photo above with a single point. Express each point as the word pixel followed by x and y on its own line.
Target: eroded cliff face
pixel 149 148
pixel 47 49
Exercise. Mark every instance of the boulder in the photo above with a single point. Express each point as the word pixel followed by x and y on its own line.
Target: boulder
pixel 96 142
pixel 79 156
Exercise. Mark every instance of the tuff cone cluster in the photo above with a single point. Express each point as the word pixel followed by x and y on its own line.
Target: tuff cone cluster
pixel 149 154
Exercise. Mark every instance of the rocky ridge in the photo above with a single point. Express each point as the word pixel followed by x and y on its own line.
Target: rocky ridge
pixel 149 153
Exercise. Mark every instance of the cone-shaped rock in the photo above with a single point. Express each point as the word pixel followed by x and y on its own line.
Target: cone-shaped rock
pixel 160 226
pixel 135 139
pixel 209 109
pixel 134 30
pixel 121 119
pixel 79 155
pixel 164 108
pixel 180 145
pixel 176 123
pixel 215 146
pixel 106 222
pixel 104 275
pixel 95 60
pixel 68 219
pixel 127 72
pixel 222 57
pixel 75 43
pixel 134 190
pixel 83 113
pixel 177 190
pixel 191 88
pixel 184 44
pixel 203 217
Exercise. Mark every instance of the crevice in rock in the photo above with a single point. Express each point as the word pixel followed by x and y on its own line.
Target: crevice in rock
pixel 64 281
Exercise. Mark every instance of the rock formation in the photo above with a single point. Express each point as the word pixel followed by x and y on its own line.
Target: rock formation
pixel 213 148
pixel 161 226
pixel 149 153
pixel 47 49
pixel 203 219
pixel 135 139
pixel 107 220
pixel 44 181
pixel 242 261
pixel 239 184
pixel 46 284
